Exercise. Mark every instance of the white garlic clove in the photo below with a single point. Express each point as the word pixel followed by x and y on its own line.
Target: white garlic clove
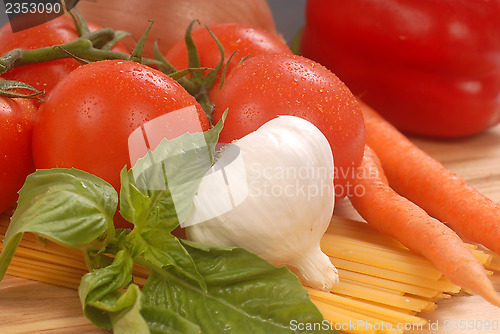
pixel 272 193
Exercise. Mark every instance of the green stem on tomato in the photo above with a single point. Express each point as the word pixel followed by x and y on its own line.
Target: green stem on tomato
pixel 170 70
pixel 119 35
pixel 100 37
pixel 17 89
pixel 139 48
pixel 81 48
pixel 206 104
pixel 81 25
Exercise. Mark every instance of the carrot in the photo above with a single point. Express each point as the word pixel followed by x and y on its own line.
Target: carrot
pixel 426 182
pixel 396 216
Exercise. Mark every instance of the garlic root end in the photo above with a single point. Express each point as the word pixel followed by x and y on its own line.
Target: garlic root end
pixel 316 270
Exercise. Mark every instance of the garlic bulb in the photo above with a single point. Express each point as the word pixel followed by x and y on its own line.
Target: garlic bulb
pixel 272 193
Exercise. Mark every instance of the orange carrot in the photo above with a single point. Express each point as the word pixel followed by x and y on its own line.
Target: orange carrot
pixel 426 182
pixel 396 216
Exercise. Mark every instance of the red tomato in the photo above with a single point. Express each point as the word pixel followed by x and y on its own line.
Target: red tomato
pixel 43 76
pixel 247 40
pixel 263 87
pixel 88 118
pixel 16 162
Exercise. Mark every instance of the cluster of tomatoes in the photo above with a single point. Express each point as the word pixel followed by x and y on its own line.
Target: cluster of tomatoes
pixel 90 110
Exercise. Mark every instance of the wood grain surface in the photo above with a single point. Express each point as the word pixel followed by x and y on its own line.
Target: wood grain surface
pixel 33 307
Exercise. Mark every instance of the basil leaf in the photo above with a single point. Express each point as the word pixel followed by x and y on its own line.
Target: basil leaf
pixel 146 208
pixel 245 294
pixel 123 311
pixel 135 206
pixel 68 206
pixel 98 294
pixel 126 313
pixel 166 251
pixel 159 188
pixel 164 321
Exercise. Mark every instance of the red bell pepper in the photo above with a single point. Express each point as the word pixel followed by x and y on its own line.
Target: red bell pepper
pixel 430 67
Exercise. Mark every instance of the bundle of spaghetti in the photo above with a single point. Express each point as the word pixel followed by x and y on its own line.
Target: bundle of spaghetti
pixel 48 262
pixel 383 286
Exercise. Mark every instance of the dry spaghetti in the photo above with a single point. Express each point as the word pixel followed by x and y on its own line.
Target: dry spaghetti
pixel 381 281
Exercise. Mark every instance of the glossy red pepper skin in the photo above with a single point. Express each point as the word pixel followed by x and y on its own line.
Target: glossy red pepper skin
pixel 430 67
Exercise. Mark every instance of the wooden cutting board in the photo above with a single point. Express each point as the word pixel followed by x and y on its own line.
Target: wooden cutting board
pixel 33 307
